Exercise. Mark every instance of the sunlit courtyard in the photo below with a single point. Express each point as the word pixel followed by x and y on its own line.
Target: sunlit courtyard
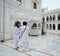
pixel 46 45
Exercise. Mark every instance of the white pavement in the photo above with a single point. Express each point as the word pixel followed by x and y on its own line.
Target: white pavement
pixel 47 45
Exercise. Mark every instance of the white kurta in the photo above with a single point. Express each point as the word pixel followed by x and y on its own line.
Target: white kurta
pixel 25 38
pixel 16 36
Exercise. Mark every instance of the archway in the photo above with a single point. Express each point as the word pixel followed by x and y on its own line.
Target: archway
pixel 58 17
pixel 47 26
pixel 54 17
pixel 47 19
pixel 35 5
pixel 58 26
pixel 50 26
pixel 50 18
pixel 34 26
pixel 53 26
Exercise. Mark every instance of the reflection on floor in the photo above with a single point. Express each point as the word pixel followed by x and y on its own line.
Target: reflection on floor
pixel 47 45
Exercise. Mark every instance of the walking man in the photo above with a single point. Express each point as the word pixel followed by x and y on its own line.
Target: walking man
pixel 25 37
pixel 16 34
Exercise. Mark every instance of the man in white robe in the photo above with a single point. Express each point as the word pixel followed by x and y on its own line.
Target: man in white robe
pixel 16 35
pixel 25 37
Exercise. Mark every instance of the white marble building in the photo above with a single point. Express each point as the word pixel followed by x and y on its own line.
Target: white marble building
pixel 29 11
pixel 52 21
pixel 19 10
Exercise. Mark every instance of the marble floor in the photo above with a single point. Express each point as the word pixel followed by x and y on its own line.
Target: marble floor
pixel 46 45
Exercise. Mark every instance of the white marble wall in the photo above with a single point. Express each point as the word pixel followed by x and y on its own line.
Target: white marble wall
pixel 13 11
pixel 1 19
pixel 56 22
pixel 6 11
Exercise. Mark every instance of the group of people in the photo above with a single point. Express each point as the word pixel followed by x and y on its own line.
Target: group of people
pixel 21 32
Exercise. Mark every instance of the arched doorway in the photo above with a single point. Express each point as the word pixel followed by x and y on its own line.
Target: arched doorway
pixel 35 5
pixel 50 26
pixel 43 19
pixel 47 19
pixel 34 29
pixel 58 26
pixel 34 26
pixel 47 26
pixel 50 18
pixel 53 26
pixel 59 17
pixel 54 17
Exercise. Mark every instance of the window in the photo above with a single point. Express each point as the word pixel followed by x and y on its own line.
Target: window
pixel 50 18
pixel 58 26
pixel 50 26
pixel 59 17
pixel 35 5
pixel 53 17
pixel 53 26
pixel 34 26
pixel 47 18
pixel 47 26
pixel 19 0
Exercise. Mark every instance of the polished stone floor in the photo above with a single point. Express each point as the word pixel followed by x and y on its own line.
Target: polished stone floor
pixel 46 45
